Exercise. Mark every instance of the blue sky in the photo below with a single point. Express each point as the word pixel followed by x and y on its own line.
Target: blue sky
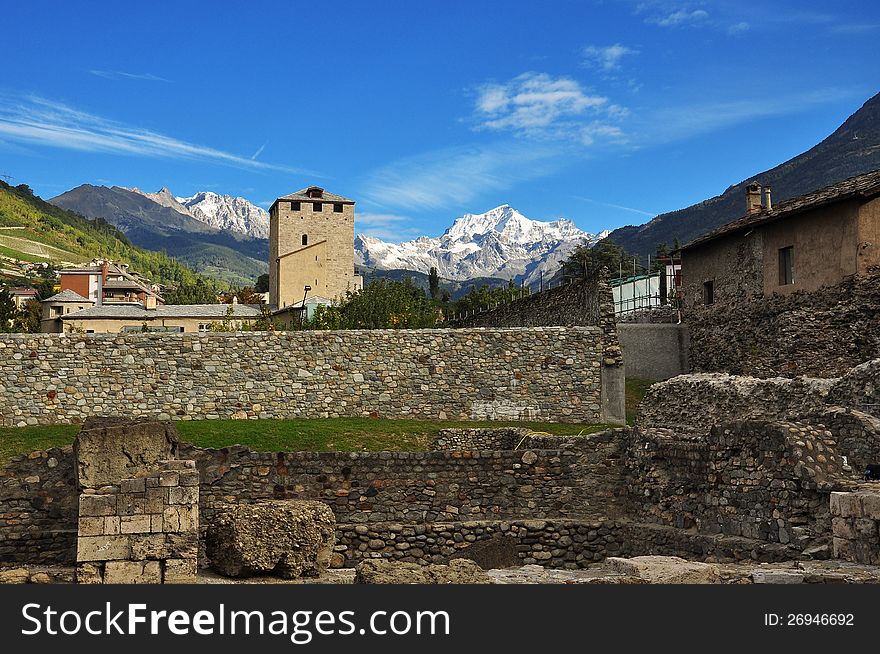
pixel 602 112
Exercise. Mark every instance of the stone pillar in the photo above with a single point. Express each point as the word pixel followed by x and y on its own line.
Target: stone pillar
pixel 146 530
pixel 854 523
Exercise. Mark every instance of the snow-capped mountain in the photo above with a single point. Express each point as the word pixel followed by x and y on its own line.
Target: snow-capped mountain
pixel 499 243
pixel 220 211
pixel 227 212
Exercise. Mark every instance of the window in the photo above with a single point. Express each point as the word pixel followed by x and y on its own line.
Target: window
pixel 57 311
pixel 294 206
pixel 709 292
pixel 316 207
pixel 305 239
pixel 204 327
pixel 337 208
pixel 786 265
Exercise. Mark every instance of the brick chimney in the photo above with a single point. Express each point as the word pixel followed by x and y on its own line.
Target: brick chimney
pixel 753 198
pixel 150 302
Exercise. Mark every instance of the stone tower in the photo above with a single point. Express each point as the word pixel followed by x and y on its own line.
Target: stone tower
pixel 311 243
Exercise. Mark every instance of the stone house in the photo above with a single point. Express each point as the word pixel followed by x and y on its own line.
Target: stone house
pixel 311 244
pixel 802 244
pixel 134 317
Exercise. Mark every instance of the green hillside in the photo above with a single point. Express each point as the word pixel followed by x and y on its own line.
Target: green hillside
pixel 34 230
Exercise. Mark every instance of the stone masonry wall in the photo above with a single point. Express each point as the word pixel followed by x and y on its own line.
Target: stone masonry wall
pixel 855 524
pixel 581 303
pixel 689 402
pixel 821 333
pixel 38 508
pixel 145 530
pixel 481 374
pixel 764 481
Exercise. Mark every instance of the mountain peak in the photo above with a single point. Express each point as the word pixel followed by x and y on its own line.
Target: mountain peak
pixel 501 242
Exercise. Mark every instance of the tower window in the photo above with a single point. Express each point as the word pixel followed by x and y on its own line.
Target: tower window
pixel 786 266
pixel 709 292
pixel 337 208
pixel 316 206
pixel 294 206
pixel 305 239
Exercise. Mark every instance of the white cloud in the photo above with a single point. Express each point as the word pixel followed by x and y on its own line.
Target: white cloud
pixel 739 28
pixel 607 58
pixel 689 120
pixel 35 120
pixel 681 17
pixel 454 177
pixel 538 105
pixel 119 74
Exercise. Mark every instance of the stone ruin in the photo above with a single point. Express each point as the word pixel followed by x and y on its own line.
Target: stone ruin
pixel 138 506
pixel 779 485
pixel 138 519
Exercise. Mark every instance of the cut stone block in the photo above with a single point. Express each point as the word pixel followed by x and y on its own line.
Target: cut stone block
pixel 132 572
pixel 102 548
pixel 109 450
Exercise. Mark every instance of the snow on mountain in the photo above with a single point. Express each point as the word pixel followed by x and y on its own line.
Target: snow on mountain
pixel 228 213
pixel 499 243
pixel 220 211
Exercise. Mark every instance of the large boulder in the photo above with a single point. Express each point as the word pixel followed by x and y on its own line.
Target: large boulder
pixel 109 449
pixel 286 538
pixel 666 570
pixel 380 571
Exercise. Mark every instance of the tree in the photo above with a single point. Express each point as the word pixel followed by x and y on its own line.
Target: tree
pixel 28 319
pixel 7 311
pixel 199 292
pixel 381 304
pixel 434 283
pixel 245 295
pixel 586 262
pixel 262 284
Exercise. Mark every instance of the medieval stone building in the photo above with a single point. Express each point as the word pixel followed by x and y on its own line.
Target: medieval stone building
pixel 802 244
pixel 311 247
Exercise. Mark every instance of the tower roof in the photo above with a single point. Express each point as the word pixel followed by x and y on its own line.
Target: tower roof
pixel 308 195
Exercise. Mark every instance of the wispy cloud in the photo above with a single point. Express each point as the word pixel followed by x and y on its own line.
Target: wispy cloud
pixel 855 28
pixel 119 74
pixel 680 18
pixel 259 151
pixel 455 177
pixel 36 120
pixel 386 226
pixel 739 28
pixel 607 58
pixel 538 105
pixel 676 123
pixel 650 214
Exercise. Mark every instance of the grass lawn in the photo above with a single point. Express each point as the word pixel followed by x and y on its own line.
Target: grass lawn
pixel 636 387
pixel 316 435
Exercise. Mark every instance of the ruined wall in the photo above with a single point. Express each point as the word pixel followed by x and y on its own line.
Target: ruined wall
pixel 143 530
pixel 764 481
pixel 38 508
pixel 494 374
pixel 689 402
pixel 821 333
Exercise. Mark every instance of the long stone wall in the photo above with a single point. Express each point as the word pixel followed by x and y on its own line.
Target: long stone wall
pixel 821 333
pixel 552 374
